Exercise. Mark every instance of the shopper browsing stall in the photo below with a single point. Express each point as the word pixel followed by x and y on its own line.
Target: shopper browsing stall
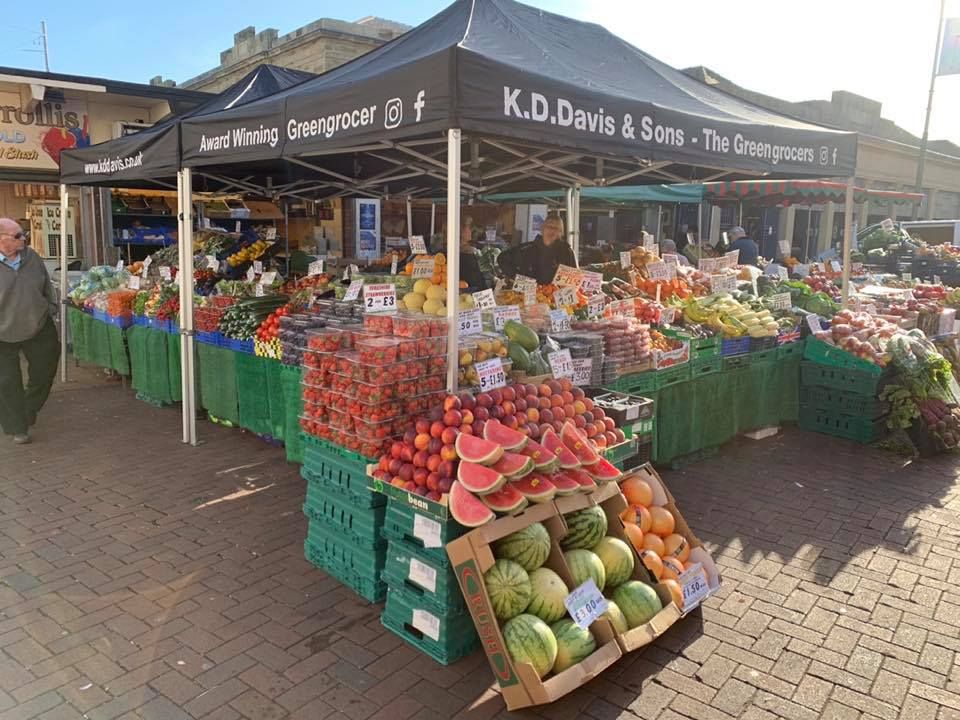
pixel 739 240
pixel 541 258
pixel 470 272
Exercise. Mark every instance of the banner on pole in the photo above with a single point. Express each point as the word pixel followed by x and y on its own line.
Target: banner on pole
pixel 949 62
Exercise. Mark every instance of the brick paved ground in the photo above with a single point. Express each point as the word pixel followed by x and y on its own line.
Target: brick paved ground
pixel 145 579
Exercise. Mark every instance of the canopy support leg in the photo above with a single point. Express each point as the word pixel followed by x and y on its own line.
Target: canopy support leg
pixel 64 209
pixel 569 217
pixel 409 217
pixel 847 241
pixel 575 222
pixel 433 219
pixel 185 278
pixel 453 254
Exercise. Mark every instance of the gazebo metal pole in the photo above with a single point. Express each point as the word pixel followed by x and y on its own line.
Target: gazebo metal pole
pixel 576 224
pixel 64 209
pixel 433 219
pixel 185 279
pixel 847 241
pixel 453 254
pixel 181 264
pixel 409 216
pixel 569 218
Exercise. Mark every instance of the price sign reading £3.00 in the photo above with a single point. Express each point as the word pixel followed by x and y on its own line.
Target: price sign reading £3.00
pixel 561 364
pixel 585 604
pixel 470 322
pixel 693 582
pixel 582 371
pixel 502 313
pixel 380 297
pixel 559 321
pixel 491 374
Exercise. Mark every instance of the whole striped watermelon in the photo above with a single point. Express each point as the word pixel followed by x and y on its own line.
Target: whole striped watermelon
pixel 528 547
pixel 584 565
pixel 508 586
pixel 585 528
pixel 573 644
pixel 530 640
pixel 549 591
pixel 617 558
pixel 638 601
pixel 616 617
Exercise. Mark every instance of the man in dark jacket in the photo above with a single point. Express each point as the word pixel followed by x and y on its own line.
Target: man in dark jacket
pixel 26 326
pixel 749 252
pixel 541 258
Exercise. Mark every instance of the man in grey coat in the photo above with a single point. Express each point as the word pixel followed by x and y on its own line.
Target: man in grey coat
pixel 27 306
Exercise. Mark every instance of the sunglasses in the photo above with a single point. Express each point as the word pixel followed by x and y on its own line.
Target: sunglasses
pixel 17 236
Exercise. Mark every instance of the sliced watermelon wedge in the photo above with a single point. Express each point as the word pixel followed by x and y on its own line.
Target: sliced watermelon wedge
pixel 543 460
pixel 578 444
pixel 565 484
pixel 466 507
pixel 603 471
pixel 507 438
pixel 478 479
pixel 505 500
pixel 478 450
pixel 587 483
pixel 552 442
pixel 535 488
pixel 513 465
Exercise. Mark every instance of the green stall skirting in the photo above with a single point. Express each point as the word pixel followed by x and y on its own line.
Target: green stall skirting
pixel 293 406
pixel 218 382
pixel 253 393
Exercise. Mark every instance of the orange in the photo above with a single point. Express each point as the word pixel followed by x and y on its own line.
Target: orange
pixel 637 491
pixel 677 546
pixel 672 568
pixel 662 522
pixel 653 542
pixel 634 535
pixel 652 562
pixel 674 587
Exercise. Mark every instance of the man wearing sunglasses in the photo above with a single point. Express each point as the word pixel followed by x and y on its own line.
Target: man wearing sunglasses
pixel 27 307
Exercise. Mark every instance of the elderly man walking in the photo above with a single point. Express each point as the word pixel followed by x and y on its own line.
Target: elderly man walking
pixel 27 306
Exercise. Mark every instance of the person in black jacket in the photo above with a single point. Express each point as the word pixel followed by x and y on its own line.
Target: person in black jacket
pixel 470 272
pixel 541 258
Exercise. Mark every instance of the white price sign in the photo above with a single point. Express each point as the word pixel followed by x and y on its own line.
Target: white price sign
pixel 785 248
pixel 236 227
pixel 591 282
pixel 783 274
pixel 491 374
pixel 561 364
pixel 585 604
pixel 595 305
pixel 567 276
pixel 268 277
pixel 165 272
pixel 417 245
pixel 887 225
pixel 134 282
pixel 522 283
pixel 559 321
pixel 423 575
pixel 625 260
pixel 251 275
pixel 582 371
pixel 502 313
pixel 379 297
pixel 649 243
pixel 393 264
pixel 470 322
pixel 271 233
pixel 353 292
pixel 485 299
pixel 565 296
pixel 422 268
pixel 907 277
pixel 529 296
pixel 212 262
pixel 258 290
pixel 732 258
pixel 723 283
pixel 813 322
pixel 258 266
pixel 836 266
pixel 781 301
pixel 710 265
pixel 146 266
pixel 661 270
pixel 315 268
pixel 427 531
pixel 119 265
pixel 693 583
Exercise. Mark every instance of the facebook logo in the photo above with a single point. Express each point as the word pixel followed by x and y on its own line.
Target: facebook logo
pixel 418 105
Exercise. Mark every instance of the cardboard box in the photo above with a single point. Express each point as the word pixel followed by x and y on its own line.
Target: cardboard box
pixel 663 359
pixel 520 685
pixel 613 503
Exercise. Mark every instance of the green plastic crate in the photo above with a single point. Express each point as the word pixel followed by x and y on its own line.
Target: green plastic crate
pixel 358 569
pixel 330 449
pixel 706 366
pixel 422 576
pixel 826 354
pixel 736 362
pixel 402 522
pixel 844 402
pixel 764 356
pixel 851 427
pixel 673 376
pixel 340 476
pixel 358 525
pixel 705 348
pixel 635 383
pixel 791 350
pixel 445 639
pixel 621 451
pixel 847 379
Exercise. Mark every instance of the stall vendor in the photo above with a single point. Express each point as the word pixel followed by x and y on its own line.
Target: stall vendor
pixel 470 272
pixel 739 240
pixel 541 258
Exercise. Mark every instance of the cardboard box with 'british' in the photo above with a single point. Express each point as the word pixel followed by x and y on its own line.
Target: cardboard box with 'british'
pixel 609 498
pixel 519 683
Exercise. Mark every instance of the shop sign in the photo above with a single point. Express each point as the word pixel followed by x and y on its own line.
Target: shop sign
pixel 33 137
pixel 45 229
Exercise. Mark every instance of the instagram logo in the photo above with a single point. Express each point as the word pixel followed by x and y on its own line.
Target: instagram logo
pixel 393 113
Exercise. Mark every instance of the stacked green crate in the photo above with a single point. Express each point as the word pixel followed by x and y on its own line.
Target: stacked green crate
pixel 424 606
pixel 345 517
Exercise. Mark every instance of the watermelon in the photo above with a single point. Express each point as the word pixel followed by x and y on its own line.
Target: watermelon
pixel 530 640
pixel 546 599
pixel 578 444
pixel 617 558
pixel 508 586
pixel 584 528
pixel 514 465
pixel 477 450
pixel 535 488
pixel 603 471
pixel 466 507
pixel 582 477
pixel 573 644
pixel 505 500
pixel 543 460
pixel 528 547
pixel 565 484
pixel 507 438
pixel 638 601
pixel 478 479
pixel 615 615
pixel 583 565
pixel 552 442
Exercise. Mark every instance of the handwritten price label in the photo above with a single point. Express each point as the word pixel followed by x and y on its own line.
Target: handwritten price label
pixel 813 322
pixel 485 299
pixel 723 283
pixel 582 371
pixel 710 265
pixel 271 233
pixel 836 266
pixel 693 583
pixel 590 282
pixel 417 245
pixel 595 305
pixel 258 290
pixel 257 266
pixel 268 277
pixel 559 321
pixel 625 260
pixel 503 313
pixel 353 292
pixel 146 266
pixel 393 264
pixel 585 604
pixel 561 364
pixel 379 297
pixel 781 301
pixel 251 274
pixel 422 268
pixel 470 322
pixel 567 276
pixel 165 273
pixel 315 268
pixel 565 296
pixel 491 374
pixel 212 262
pixel 661 270
pixel 783 274
pixel 732 258
pixel 119 265
pixel 134 282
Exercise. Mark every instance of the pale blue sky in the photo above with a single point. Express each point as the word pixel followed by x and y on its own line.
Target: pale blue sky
pixel 879 48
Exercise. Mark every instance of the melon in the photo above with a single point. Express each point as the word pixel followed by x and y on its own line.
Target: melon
pixel 466 507
pixel 530 640
pixel 477 450
pixel 543 460
pixel 603 471
pixel 617 558
pixel 505 500
pixel 507 438
pixel 638 601
pixel 421 286
pixel 535 488
pixel 528 547
pixel 513 465
pixel 652 562
pixel 672 568
pixel 436 292
pixel 566 485
pixel 582 477
pixel 578 444
pixel 552 442
pixel 549 591
pixel 583 565
pixel 584 528
pixel 433 306
pixel 508 586
pixel 676 592
pixel 662 522
pixel 414 301
pixel 615 615
pixel 677 546
pixel 574 644
pixel 478 479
